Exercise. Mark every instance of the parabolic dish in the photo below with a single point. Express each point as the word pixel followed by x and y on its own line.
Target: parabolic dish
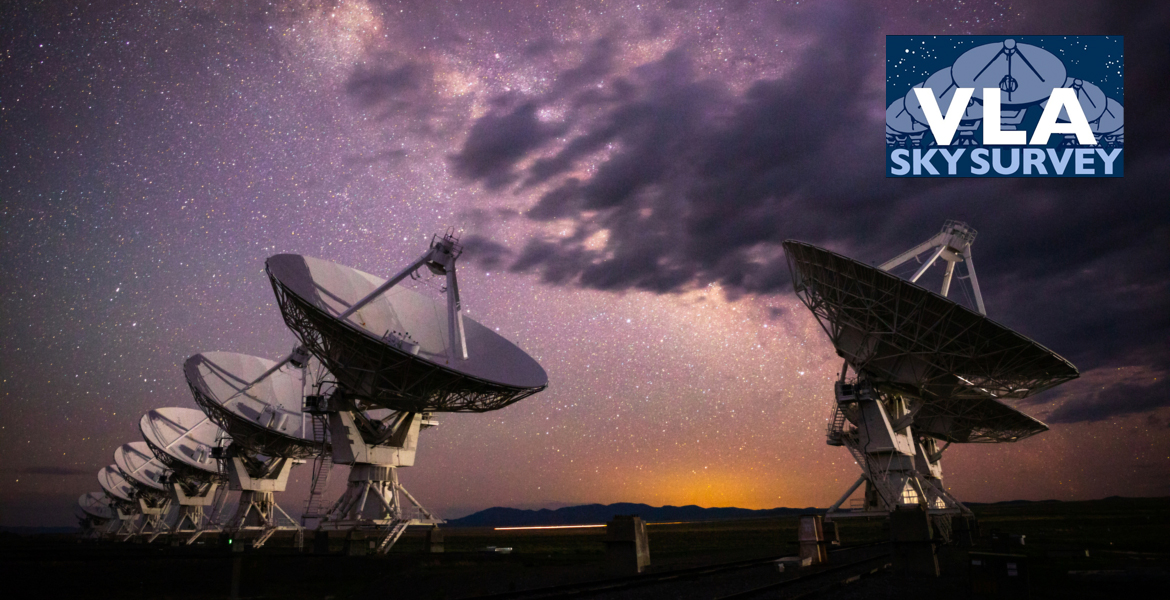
pixel 985 420
pixel 393 351
pixel 918 342
pixel 114 484
pixel 267 418
pixel 182 438
pixel 1111 120
pixel 943 88
pixel 1089 96
pixel 899 120
pixel 139 465
pixel 96 504
pixel 1024 73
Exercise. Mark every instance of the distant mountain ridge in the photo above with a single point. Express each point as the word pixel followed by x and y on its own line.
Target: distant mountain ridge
pixel 594 514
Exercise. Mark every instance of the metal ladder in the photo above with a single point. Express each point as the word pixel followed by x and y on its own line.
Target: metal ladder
pixel 397 528
pixel 322 467
pixel 836 427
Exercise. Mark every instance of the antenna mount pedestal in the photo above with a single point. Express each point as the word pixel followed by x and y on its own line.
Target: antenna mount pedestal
pixel 258 511
pixel 153 509
pixel 899 468
pixel 374 500
pixel 191 498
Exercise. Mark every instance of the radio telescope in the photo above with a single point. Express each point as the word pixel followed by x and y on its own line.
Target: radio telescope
pixel 1093 104
pixel 120 493
pixel 943 88
pixel 183 439
pixel 926 370
pixel 396 356
pixel 269 432
pixel 146 473
pixel 96 514
pixel 1089 96
pixel 1025 75
pixel 902 129
pixel 1109 128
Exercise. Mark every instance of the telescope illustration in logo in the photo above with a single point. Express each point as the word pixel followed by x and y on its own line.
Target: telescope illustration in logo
pixel 1025 76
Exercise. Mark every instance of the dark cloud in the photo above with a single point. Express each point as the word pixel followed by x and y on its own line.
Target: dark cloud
pixel 404 97
pixel 372 86
pixel 1153 421
pixel 700 179
pixel 498 140
pixel 488 254
pixel 1113 400
pixel 694 184
pixel 598 63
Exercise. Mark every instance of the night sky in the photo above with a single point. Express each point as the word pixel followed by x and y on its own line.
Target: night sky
pixel 622 173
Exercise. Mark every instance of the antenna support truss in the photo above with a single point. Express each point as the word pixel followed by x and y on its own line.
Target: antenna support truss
pixel 952 244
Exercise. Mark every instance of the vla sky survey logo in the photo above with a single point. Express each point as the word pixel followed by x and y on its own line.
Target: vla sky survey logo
pixel 1004 106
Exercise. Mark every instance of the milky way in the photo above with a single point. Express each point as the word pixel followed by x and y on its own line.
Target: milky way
pixel 623 174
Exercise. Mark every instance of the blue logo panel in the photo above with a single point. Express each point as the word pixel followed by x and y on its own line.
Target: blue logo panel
pixel 1005 106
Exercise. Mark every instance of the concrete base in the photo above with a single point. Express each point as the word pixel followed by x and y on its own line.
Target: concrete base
pixel 434 541
pixel 627 547
pixel 357 544
pixel 913 541
pixel 811 535
pixel 320 542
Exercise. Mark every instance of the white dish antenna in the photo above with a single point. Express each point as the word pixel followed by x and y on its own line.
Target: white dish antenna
pixel 397 348
pixel 266 417
pixel 139 465
pixel 96 504
pixel 259 403
pixel 183 438
pixel 114 484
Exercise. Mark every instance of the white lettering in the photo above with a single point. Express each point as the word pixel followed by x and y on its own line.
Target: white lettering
pixel 1058 164
pixel 952 159
pixel 1034 158
pixel 979 157
pixel 1109 158
pixel 943 128
pixel 991 114
pixel 1065 98
pixel 899 158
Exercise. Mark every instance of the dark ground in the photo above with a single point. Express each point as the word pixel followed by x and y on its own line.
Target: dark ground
pixel 1127 543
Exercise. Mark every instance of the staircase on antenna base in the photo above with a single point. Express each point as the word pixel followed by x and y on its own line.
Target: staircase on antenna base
pixel 322 467
pixel 836 427
pixel 259 542
pixel 397 528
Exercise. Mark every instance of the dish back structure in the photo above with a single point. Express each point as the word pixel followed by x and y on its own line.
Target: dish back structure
pixel 927 370
pixel 259 405
pixel 388 347
pixel 184 440
pixel 396 350
pixel 96 515
pixel 147 474
pixel 120 494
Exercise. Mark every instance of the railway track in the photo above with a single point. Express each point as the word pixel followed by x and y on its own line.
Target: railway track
pixel 713 581
pixel 827 578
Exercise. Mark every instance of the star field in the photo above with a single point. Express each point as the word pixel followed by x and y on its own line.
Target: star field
pixel 155 153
